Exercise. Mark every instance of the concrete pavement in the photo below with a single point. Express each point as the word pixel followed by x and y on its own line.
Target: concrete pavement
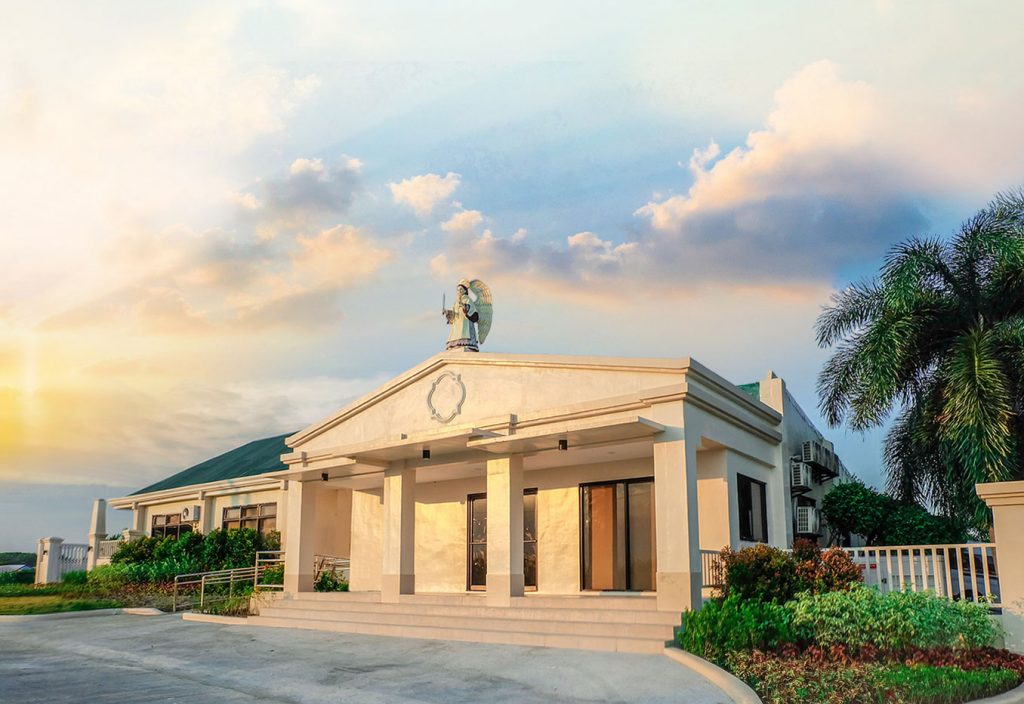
pixel 125 659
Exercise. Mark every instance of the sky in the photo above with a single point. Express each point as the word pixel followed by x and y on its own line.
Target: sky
pixel 222 221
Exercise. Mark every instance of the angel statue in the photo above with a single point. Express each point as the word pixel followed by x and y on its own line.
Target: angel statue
pixel 470 317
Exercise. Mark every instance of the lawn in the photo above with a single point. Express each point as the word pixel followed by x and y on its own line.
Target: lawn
pixel 50 603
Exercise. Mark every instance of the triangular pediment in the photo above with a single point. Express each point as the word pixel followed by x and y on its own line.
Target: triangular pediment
pixel 466 389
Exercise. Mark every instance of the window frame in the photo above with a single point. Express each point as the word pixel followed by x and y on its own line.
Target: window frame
pixel 254 516
pixel 749 483
pixel 172 526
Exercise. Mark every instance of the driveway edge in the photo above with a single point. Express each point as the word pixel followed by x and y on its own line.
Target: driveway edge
pixel 735 688
pixel 1014 696
pixel 214 618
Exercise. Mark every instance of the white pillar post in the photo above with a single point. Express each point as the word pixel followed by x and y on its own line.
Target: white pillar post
pixel 398 572
pixel 504 530
pixel 48 560
pixel 97 532
pixel 676 520
pixel 299 549
pixel 1006 499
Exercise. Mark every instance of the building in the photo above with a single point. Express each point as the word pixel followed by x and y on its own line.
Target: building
pixel 512 474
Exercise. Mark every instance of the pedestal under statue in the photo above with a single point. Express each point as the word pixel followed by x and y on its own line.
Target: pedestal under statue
pixel 470 316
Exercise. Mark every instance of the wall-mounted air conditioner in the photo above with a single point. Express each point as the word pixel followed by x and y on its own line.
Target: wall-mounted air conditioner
pixel 806 520
pixel 191 514
pixel 801 476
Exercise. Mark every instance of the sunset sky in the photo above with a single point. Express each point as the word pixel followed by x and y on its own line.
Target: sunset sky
pixel 221 221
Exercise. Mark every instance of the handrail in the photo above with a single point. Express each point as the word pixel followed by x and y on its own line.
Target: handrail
pixel 332 564
pixel 265 559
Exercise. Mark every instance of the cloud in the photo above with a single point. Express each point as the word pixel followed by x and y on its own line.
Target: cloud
pixel 423 193
pixel 815 190
pixel 311 190
pixel 340 256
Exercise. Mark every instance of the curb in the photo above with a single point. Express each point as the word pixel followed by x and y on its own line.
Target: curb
pixel 735 688
pixel 213 618
pixel 26 618
pixel 1014 696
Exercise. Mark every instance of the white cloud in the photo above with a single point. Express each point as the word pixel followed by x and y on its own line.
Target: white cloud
pixel 423 193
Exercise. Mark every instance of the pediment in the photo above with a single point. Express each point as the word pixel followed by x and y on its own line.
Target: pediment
pixel 465 389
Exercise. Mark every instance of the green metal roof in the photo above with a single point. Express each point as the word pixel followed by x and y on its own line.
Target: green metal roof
pixel 752 389
pixel 256 457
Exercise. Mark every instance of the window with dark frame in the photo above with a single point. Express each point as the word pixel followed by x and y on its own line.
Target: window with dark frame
pixel 259 517
pixel 476 568
pixel 169 524
pixel 753 509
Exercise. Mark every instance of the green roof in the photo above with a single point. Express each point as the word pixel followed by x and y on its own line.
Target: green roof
pixel 256 457
pixel 752 389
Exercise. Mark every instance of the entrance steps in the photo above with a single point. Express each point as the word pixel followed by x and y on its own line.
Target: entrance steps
pixel 613 623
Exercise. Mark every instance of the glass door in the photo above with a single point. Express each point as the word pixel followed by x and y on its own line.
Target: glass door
pixel 618 547
pixel 477 540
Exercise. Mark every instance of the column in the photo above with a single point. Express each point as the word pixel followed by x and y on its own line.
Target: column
pixel 48 567
pixel 398 574
pixel 207 520
pixel 97 532
pixel 1006 499
pixel 676 513
pixel 504 530
pixel 299 547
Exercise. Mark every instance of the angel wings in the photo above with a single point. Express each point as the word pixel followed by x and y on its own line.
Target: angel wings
pixel 484 308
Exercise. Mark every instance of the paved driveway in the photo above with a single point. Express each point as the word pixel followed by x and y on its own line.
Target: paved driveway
pixel 126 659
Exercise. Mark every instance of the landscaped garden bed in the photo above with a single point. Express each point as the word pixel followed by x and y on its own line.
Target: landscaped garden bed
pixel 802 627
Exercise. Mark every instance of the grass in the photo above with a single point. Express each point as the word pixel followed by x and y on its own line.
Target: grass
pixel 50 604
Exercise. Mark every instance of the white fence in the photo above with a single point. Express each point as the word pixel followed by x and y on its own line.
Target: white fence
pixel 966 571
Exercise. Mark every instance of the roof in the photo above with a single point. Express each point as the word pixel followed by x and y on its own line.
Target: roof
pixel 252 458
pixel 753 389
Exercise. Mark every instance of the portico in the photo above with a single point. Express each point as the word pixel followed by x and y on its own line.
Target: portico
pixel 422 482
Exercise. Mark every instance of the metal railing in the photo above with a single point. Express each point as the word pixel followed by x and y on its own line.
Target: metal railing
pixel 197 589
pixel 712 569
pixel 340 567
pixel 967 571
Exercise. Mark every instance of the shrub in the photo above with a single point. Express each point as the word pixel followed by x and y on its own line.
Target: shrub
pixel 835 571
pixel 273 575
pixel 896 622
pixel 23 577
pixel 75 579
pixel 762 573
pixel 138 550
pixel 735 624
pixel 796 678
pixel 329 582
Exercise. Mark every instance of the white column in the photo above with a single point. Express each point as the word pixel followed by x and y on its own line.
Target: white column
pixel 676 511
pixel 1006 499
pixel 207 521
pixel 97 532
pixel 504 530
pixel 299 548
pixel 48 560
pixel 398 573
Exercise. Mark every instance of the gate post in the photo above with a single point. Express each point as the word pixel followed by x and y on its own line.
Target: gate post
pixel 1006 499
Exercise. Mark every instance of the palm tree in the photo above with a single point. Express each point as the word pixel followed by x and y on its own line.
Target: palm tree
pixel 937 338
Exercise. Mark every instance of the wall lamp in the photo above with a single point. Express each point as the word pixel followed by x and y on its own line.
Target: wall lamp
pixel 426 453
pixel 323 476
pixel 563 444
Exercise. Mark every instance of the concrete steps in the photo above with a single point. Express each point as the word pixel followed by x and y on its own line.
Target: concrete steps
pixel 627 624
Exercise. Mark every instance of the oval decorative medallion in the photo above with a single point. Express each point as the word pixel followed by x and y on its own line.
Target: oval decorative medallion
pixel 446 396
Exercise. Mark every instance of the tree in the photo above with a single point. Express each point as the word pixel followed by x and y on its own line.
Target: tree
pixel 853 507
pixel 937 338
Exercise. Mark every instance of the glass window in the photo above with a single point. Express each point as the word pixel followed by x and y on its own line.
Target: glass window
pixel 169 524
pixel 477 540
pixel 753 509
pixel 258 517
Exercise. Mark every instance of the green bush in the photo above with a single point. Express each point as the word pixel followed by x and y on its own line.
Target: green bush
pixel 161 559
pixel 895 622
pixel 273 575
pixel 733 625
pixel 23 577
pixel 329 582
pixel 853 507
pixel 76 579
pixel 761 573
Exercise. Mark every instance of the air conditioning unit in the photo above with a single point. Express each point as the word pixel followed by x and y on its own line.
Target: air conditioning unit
pixel 806 520
pixel 820 455
pixel 191 514
pixel 801 476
